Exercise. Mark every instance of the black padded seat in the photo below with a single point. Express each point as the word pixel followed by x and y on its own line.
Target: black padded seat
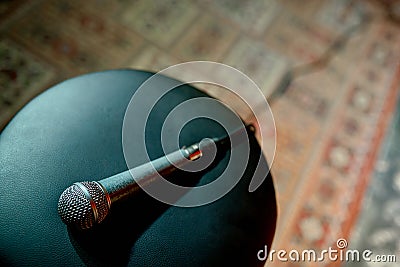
pixel 72 132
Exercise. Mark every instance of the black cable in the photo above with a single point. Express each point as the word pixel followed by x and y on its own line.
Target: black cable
pixel 316 65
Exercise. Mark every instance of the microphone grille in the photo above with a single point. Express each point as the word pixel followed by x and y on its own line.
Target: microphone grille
pixel 83 204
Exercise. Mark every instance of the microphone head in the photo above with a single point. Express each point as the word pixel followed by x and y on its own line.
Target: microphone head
pixel 84 204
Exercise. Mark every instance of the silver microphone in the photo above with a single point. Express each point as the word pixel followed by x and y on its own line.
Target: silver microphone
pixel 85 204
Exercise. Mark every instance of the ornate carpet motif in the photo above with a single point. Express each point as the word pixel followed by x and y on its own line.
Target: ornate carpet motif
pixel 330 121
pixel 378 225
pixel 22 76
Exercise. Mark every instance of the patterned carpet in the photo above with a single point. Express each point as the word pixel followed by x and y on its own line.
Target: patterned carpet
pixel 335 98
pixel 378 226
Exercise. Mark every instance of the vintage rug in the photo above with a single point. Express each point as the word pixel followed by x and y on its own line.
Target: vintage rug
pixel 332 65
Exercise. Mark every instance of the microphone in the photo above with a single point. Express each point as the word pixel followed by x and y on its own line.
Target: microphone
pixel 85 204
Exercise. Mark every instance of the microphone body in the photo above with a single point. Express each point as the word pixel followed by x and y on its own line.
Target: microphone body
pixel 85 204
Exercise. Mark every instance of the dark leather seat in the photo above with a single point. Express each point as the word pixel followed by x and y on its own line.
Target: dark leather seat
pixel 72 132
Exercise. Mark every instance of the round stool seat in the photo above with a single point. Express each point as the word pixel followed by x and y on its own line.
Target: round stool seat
pixel 71 133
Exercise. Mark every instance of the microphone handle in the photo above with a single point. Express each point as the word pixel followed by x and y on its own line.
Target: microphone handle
pixel 122 185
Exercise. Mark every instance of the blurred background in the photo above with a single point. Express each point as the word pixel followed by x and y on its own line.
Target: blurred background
pixel 330 70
